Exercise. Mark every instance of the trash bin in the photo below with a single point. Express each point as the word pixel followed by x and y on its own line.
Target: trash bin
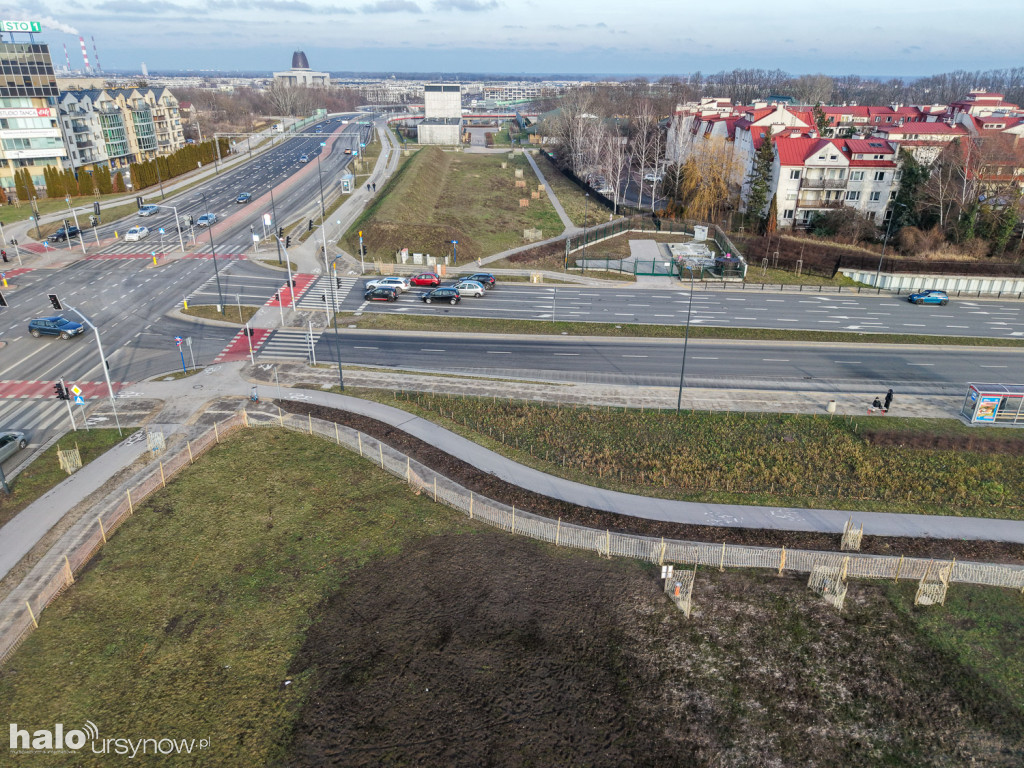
pixel 831 407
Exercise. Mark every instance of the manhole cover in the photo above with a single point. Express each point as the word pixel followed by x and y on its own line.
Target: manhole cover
pixel 197 386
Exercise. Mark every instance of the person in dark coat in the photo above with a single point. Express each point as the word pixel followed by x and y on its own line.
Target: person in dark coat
pixel 877 404
pixel 888 399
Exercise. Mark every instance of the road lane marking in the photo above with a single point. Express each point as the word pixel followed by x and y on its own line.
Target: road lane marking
pixel 774 360
pixel 431 350
pixel 567 354
pixel 634 355
pixel 922 364
pixel 493 352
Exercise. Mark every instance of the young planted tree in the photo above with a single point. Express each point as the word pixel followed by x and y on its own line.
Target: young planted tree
pixel 771 221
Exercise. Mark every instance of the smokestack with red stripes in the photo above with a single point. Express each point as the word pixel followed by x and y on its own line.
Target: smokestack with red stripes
pixel 99 67
pixel 85 56
pixel 67 58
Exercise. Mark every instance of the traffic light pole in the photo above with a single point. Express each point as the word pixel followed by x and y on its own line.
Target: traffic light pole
pixel 67 400
pixel 103 363
pixel 273 209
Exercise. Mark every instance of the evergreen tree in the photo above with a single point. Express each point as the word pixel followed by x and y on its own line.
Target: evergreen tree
pixel 1007 222
pixel 821 120
pixel 908 196
pixel 133 173
pixel 118 183
pixel 85 186
pixel 771 221
pixel 760 178
pixel 70 183
pixel 23 184
pixel 104 185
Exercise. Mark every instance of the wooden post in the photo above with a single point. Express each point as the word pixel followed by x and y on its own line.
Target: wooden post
pixel 102 532
pixel 558 532
pixel 408 468
pixel 337 437
pixel 899 567
pixel 608 543
pixel 71 574
pixel 163 480
pixel 380 448
pixel 513 518
pixel 216 433
pixel 661 557
pixel 280 415
pixel 190 459
pixel 131 509
pixel 435 488
pixel 846 563
pixel 32 615
pixel 245 417
pixel 470 499
pixel 310 415
pixel 360 436
pixel 782 560
pixel 721 563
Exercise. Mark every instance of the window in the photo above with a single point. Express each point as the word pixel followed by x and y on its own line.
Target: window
pixel 879 175
pixel 851 195
pixel 856 175
pixel 832 157
pixel 794 174
pixel 788 213
pixel 875 197
pixel 791 195
pixel 821 157
pixel 871 215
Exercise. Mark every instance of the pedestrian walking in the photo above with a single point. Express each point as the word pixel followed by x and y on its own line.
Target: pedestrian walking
pixel 375 186
pixel 367 187
pixel 888 399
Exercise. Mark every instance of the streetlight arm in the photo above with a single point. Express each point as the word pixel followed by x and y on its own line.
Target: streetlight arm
pixel 103 365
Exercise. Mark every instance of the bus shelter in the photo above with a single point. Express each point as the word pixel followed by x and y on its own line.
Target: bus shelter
pixel 997 404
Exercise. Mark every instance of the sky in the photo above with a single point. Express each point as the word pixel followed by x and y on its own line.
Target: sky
pixel 596 37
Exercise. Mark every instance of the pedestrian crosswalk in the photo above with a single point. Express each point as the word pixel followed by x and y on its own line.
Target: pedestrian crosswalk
pixel 36 416
pixel 289 345
pixel 314 297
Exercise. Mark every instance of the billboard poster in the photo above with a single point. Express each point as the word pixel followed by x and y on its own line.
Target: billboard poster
pixel 27 112
pixel 987 407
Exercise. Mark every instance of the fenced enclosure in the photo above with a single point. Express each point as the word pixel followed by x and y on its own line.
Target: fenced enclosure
pixel 828 571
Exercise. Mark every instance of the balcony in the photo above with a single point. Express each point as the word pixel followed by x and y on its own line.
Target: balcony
pixel 84 143
pixel 80 128
pixel 822 183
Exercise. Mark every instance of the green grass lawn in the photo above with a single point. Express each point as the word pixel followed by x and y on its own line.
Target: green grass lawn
pixel 185 625
pixel 438 196
pixel 232 313
pixel 45 472
pixel 571 195
pixel 763 459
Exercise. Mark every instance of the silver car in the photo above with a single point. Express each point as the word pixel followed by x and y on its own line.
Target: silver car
pixel 10 444
pixel 400 284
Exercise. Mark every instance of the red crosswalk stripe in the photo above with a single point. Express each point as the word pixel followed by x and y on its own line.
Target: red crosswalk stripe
pixel 24 390
pixel 238 347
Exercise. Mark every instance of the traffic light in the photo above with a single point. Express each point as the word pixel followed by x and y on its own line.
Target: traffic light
pixel 280 232
pixel 288 242
pixel 338 281
pixel 60 392
pixel 3 301
pixel 138 201
pixel 309 227
pixel 191 221
pixel 55 302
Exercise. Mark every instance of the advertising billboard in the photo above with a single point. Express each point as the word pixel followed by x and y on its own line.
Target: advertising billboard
pixel 987 408
pixel 21 26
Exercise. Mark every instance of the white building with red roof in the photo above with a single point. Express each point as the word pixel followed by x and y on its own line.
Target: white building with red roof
pixel 925 141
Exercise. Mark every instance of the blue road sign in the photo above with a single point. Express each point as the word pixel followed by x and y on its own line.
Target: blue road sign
pixel 79 399
pixel 161 230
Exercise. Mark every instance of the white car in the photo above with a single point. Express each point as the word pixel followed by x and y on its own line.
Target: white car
pixel 469 288
pixel 398 283
pixel 655 177
pixel 136 233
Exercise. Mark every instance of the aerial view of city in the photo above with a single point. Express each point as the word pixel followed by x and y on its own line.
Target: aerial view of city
pixel 473 383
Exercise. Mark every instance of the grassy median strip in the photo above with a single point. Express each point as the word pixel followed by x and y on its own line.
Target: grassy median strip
pixel 883 464
pixel 232 313
pixel 186 623
pixel 390 321
pixel 45 472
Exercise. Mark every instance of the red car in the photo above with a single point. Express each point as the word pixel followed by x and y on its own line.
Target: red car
pixel 431 279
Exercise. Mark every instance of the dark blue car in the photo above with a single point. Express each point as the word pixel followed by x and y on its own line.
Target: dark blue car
pixel 929 297
pixel 54 326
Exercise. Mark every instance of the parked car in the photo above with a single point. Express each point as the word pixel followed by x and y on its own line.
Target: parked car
pixel 10 444
pixel 431 279
pixel 398 283
pixel 655 177
pixel 303 158
pixel 469 288
pixel 136 233
pixel 61 235
pixel 381 293
pixel 54 326
pixel 206 220
pixel 245 197
pixel 442 294
pixel 484 278
pixel 929 297
pixel 149 210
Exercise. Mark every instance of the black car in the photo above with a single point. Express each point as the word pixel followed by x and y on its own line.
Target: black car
pixel 485 278
pixel 381 293
pixel 61 235
pixel 442 294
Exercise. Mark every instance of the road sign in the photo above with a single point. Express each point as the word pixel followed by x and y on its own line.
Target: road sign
pixel 21 26
pixel 178 340
pixel 161 230
pixel 323 143
pixel 255 237
pixel 79 399
pixel 76 389
pixel 267 220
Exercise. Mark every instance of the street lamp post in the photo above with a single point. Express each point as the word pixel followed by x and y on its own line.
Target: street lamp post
pixel 103 365
pixel 177 225
pixel 888 229
pixel 686 337
pixel 74 214
pixel 156 164
pixel 455 251
pixel 213 252
pixel 277 239
pixel 320 179
pixel 583 261
pixel 334 302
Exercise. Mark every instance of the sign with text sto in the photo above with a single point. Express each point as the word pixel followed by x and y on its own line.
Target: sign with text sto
pixel 20 26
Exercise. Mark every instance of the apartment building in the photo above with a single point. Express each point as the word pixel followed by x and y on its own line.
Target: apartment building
pixel 925 141
pixel 30 135
pixel 116 127
pixel 812 174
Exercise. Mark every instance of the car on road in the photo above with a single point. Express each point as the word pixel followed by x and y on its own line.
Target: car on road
pixel 245 197
pixel 10 443
pixel 484 278
pixel 348 151
pixel 381 293
pixel 438 295
pixel 149 210
pixel 431 279
pixel 303 158
pixel 206 220
pixel 929 297
pixel 136 233
pixel 398 283
pixel 54 326
pixel 319 129
pixel 61 234
pixel 655 177
pixel 469 288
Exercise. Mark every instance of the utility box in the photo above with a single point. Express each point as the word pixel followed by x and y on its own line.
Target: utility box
pixel 348 182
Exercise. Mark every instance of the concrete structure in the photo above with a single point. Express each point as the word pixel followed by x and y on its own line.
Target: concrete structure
pixel 30 135
pixel 301 75
pixel 119 127
pixel 442 110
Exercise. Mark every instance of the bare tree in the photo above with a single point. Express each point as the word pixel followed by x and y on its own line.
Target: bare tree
pixel 813 89
pixel 614 160
pixel 644 142
pixel 707 188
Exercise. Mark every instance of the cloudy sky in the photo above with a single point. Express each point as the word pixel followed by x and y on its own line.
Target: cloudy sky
pixel 649 37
